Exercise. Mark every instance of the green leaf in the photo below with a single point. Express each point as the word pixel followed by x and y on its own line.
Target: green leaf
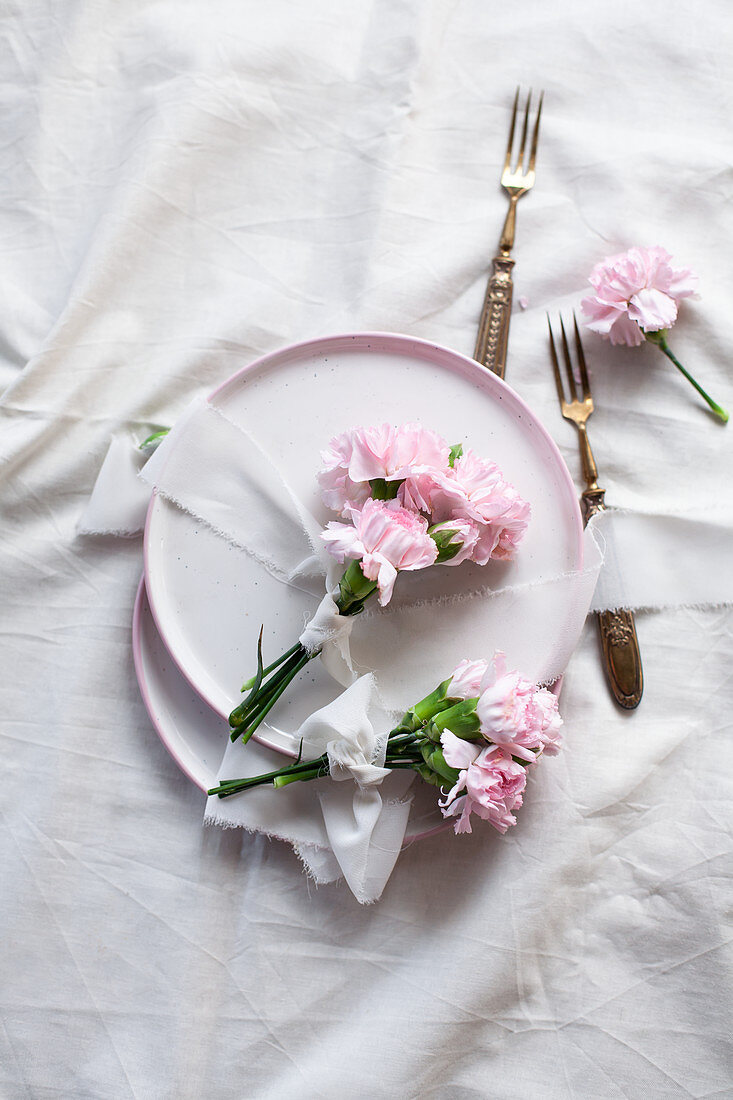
pixel 239 714
pixel 455 453
pixel 153 440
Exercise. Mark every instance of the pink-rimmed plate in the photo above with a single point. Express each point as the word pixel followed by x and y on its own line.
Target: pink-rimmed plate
pixel 208 601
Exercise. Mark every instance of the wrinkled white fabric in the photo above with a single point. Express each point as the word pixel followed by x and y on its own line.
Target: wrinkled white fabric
pixel 184 188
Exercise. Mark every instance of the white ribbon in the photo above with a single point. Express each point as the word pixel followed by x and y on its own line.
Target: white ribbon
pixel 651 561
pixel 119 500
pixel 364 830
pixel 363 814
pixel 345 732
pixel 329 631
pixel 214 469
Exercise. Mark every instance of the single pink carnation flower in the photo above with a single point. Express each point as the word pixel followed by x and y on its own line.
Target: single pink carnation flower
pixel 386 539
pixel 636 292
pixel 475 490
pixel 466 680
pixel 493 784
pixel 517 715
pixel 389 453
pixel 636 299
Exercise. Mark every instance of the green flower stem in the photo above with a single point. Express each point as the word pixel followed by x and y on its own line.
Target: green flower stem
pixel 435 760
pixel 255 719
pixel 240 715
pixel 275 664
pixel 314 769
pixel 401 743
pixel 354 590
pixel 660 339
pixel 460 719
pixel 431 705
pixel 154 439
pixel 316 772
pixel 229 787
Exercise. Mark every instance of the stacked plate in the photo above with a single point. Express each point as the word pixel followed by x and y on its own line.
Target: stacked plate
pixel 202 601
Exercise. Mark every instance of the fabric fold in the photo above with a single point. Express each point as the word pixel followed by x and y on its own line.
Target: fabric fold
pixel 119 500
pixel 660 561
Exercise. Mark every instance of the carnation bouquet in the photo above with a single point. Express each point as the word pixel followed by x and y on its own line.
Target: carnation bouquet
pixel 406 500
pixel 635 298
pixel 476 734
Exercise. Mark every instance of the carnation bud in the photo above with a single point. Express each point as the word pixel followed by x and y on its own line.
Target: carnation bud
pixel 434 759
pixel 448 541
pixel 461 719
pixel 354 589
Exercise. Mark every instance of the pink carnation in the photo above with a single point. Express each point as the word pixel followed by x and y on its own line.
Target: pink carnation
pixel 636 292
pixel 517 715
pixel 474 490
pixel 360 455
pixel 466 680
pixel 385 538
pixel 464 532
pixel 492 781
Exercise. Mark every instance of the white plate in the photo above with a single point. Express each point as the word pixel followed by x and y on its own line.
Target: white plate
pixel 209 601
pixel 196 736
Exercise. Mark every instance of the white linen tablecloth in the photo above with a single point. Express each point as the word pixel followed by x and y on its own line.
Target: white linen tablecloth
pixel 185 187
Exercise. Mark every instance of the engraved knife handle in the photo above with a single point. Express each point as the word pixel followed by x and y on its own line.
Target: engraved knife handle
pixel 493 332
pixel 617 629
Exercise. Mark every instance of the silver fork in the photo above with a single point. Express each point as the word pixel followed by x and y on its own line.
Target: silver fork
pixel 619 643
pixel 493 333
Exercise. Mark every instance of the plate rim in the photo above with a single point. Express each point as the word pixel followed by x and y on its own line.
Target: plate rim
pixel 142 682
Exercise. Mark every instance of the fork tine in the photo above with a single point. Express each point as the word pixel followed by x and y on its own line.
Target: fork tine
pixel 508 158
pixel 535 134
pixel 581 360
pixel 555 364
pixel 520 158
pixel 568 363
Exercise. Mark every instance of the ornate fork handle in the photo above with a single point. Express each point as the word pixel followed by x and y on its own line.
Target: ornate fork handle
pixel 617 631
pixel 493 332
